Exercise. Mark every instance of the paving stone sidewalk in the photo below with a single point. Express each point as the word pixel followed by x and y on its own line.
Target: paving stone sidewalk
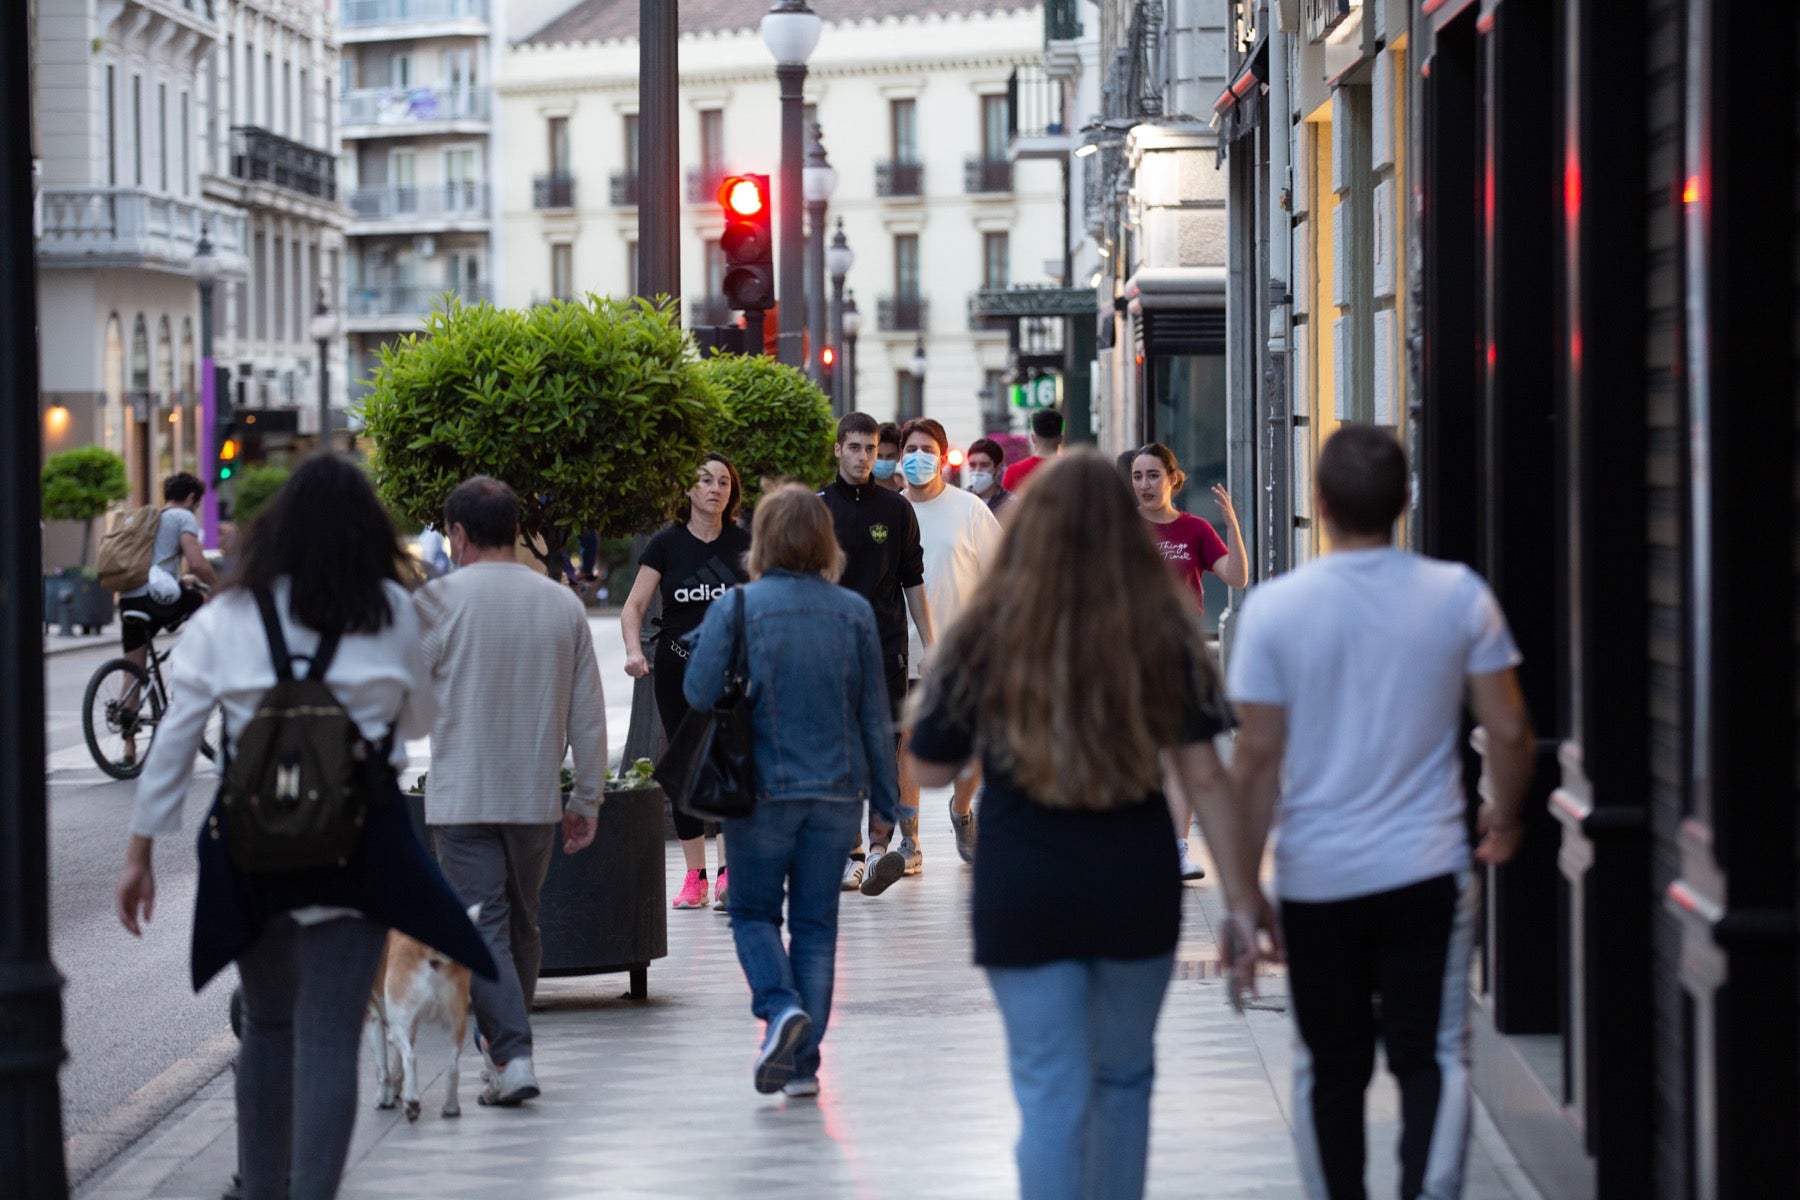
pixel 654 1100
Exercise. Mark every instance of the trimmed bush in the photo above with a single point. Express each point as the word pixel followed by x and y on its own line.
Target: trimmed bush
pixel 81 484
pixel 778 424
pixel 255 488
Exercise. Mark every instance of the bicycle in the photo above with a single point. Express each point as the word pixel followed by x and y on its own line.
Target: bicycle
pixel 123 706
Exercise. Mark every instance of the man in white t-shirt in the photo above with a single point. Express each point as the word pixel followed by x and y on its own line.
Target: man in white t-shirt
pixel 1350 675
pixel 959 535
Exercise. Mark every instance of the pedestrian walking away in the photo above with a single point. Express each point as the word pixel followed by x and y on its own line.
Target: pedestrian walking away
pixel 821 744
pixel 986 460
pixel 512 658
pixel 306 942
pixel 1077 893
pixel 959 536
pixel 1191 547
pixel 1350 675
pixel 692 563
pixel 884 563
pixel 1046 444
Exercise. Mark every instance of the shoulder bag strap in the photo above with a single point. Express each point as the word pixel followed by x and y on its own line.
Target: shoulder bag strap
pixel 740 657
pixel 321 657
pixel 278 650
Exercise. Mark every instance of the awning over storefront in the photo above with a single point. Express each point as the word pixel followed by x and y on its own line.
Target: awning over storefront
pixel 1240 109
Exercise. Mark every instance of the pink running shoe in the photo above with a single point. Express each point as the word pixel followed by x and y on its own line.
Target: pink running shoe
pixel 693 892
pixel 721 890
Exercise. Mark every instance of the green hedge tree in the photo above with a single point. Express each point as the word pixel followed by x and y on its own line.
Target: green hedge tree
pixel 257 487
pixel 595 411
pixel 778 424
pixel 80 485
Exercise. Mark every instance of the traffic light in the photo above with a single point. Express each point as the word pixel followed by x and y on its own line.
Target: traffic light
pixel 231 449
pixel 827 365
pixel 748 243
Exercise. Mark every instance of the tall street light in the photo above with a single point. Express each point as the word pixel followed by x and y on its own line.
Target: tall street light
pixel 324 331
pixel 916 365
pixel 852 322
pixel 791 31
pixel 206 274
pixel 838 261
pixel 818 181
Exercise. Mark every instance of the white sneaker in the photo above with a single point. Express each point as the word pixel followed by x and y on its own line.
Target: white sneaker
pixel 515 1084
pixel 801 1087
pixel 853 875
pixel 1189 868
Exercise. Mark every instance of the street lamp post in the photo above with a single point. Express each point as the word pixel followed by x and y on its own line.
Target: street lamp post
pixel 838 261
pixel 852 323
pixel 791 30
pixel 916 365
pixel 818 181
pixel 324 329
pixel 206 274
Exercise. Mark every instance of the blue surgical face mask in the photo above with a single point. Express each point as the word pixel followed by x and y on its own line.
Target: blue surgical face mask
pixel 884 468
pixel 920 466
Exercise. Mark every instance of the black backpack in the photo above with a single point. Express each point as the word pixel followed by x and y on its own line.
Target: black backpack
pixel 298 779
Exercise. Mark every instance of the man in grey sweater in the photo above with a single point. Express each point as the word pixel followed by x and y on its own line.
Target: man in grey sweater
pixel 512 661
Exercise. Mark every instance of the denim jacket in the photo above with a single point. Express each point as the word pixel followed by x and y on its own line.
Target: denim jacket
pixel 820 722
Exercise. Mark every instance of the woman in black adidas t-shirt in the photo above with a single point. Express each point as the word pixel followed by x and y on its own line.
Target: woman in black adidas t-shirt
pixel 693 562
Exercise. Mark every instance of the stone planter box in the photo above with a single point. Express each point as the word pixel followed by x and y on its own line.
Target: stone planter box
pixel 90 606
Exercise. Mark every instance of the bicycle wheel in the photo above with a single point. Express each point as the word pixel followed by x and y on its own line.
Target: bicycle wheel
pixel 119 715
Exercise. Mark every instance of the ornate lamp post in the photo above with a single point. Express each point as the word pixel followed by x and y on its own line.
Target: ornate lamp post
pixel 839 258
pixel 206 275
pixel 818 180
pixel 324 329
pixel 852 323
pixel 791 31
pixel 917 365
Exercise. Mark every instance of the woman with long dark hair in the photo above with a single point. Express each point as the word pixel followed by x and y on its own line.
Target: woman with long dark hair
pixel 306 943
pixel 1075 671
pixel 693 562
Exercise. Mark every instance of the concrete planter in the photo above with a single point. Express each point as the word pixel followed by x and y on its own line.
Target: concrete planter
pixel 89 607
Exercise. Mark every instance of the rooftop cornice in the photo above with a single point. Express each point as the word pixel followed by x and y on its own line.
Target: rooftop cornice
pixel 763 72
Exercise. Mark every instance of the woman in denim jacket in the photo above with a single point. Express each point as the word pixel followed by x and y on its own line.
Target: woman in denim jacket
pixel 822 740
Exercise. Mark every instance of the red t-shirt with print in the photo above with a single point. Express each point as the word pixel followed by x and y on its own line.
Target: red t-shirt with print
pixel 1191 546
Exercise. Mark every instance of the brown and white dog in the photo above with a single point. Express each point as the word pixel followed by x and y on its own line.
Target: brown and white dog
pixel 413 985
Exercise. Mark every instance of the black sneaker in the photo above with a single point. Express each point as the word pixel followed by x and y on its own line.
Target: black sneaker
pixel 883 872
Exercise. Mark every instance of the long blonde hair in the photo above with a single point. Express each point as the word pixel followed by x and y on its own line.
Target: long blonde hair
pixel 1080 652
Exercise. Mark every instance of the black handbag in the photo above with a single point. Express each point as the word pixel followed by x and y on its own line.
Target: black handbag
pixel 706 770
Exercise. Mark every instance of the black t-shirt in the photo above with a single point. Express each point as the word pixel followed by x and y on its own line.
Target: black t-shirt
pixel 694 573
pixel 1060 883
pixel 879 534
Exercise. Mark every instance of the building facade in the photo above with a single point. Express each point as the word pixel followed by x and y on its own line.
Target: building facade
pixel 914 101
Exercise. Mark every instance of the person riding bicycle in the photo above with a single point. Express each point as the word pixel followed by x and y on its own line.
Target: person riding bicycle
pixel 179 556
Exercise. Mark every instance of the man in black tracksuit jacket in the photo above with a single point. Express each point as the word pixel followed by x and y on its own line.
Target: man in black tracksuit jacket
pixel 884 564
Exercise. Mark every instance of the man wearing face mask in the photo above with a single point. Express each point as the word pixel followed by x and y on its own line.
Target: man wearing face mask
pixel 883 563
pixel 887 457
pixel 959 537
pixel 986 458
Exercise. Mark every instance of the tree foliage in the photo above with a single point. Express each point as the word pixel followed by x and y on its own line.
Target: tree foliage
pixel 595 411
pixel 778 423
pixel 81 484
pixel 255 489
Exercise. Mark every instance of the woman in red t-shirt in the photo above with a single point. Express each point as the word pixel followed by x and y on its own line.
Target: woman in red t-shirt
pixel 1192 547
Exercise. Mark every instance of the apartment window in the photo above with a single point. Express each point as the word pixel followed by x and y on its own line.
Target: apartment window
pixel 162 135
pixel 287 99
pixel 996 260
pixel 996 116
pixel 268 108
pixel 631 143
pixel 559 146
pixel 302 310
pixel 137 130
pixel 400 72
pixel 562 271
pixel 712 141
pixel 909 397
pixel 112 129
pixel 305 133
pixel 906 266
pixel 249 87
pixel 459 180
pixel 278 288
pixel 460 70
pixel 257 264
pixel 346 74
pixel 903 124
pixel 466 273
pixel 186 146
pixel 403 173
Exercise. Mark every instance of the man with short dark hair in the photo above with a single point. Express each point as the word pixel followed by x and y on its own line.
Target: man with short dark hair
pixel 887 457
pixel 883 563
pixel 1349 675
pixel 1046 444
pixel 177 564
pixel 986 460
pixel 512 660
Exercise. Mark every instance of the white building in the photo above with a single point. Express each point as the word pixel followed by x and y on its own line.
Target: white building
pixel 912 97
pixel 157 119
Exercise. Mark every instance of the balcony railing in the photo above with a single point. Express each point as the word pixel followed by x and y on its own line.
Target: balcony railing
pixel 263 157
pixel 408 299
pixel 987 175
pixel 361 13
pixel 1034 104
pixel 130 227
pixel 896 177
pixel 402 107
pixel 703 184
pixel 463 200
pixel 1062 20
pixel 624 189
pixel 556 190
pixel 902 314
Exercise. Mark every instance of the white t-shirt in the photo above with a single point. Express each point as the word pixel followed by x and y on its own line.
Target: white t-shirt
pixel 1369 651
pixel 959 536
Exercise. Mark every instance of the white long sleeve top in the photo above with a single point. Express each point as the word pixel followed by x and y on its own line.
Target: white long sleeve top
pixel 223 660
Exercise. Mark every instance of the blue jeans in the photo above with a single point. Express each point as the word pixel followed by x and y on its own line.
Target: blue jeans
pixel 1081 1036
pixel 796 847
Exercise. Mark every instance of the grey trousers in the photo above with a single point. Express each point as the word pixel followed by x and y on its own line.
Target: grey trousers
pixel 306 988
pixel 501 868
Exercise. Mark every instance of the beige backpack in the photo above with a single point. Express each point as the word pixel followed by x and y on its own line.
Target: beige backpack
pixel 127 549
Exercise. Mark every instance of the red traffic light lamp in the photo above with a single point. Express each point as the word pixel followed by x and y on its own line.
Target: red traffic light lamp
pixel 740 195
pixel 748 243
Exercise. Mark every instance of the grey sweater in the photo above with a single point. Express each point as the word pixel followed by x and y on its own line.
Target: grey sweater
pixel 512 660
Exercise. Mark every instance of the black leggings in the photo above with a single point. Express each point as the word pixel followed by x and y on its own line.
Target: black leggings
pixel 667 673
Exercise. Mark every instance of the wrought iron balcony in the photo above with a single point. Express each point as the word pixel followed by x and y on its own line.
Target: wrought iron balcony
pixel 263 157
pixel 1034 105
pixel 624 189
pixel 1062 20
pixel 407 299
pixel 358 14
pixel 902 314
pixel 703 184
pixel 403 108
pixel 896 177
pixel 460 201
pixel 129 227
pixel 555 190
pixel 983 175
